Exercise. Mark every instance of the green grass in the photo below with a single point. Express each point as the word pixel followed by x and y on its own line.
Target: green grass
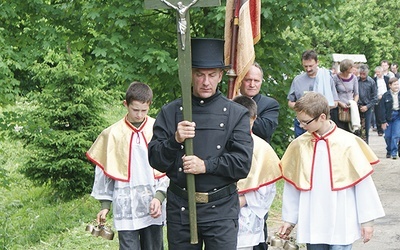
pixel 34 218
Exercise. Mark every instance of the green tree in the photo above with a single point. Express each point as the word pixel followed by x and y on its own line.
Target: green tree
pixel 365 27
pixel 62 123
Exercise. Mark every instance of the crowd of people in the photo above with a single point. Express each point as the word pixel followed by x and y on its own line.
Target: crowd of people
pixel 379 114
pixel 141 164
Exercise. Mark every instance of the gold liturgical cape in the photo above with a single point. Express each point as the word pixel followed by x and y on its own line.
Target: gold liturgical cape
pixel 111 150
pixel 350 159
pixel 264 167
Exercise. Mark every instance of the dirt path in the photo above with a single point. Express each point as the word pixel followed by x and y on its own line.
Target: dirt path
pixel 387 181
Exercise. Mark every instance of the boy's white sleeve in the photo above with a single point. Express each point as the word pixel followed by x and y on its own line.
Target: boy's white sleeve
pixel 162 184
pixel 369 206
pixel 290 203
pixel 259 201
pixel 103 186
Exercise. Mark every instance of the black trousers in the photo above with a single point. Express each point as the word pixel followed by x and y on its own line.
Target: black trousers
pixel 378 116
pixel 215 235
pixel 148 238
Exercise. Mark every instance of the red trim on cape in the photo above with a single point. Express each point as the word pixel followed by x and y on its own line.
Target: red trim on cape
pixel 262 185
pixel 102 168
pixel 318 138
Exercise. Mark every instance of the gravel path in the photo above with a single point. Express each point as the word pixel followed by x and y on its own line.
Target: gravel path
pixel 387 180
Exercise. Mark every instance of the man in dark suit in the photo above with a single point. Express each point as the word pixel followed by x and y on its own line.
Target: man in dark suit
pixel 267 107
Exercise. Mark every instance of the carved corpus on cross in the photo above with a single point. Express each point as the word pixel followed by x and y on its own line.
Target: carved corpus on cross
pixel 185 77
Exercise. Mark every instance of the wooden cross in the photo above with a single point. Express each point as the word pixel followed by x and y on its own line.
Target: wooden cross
pixel 185 77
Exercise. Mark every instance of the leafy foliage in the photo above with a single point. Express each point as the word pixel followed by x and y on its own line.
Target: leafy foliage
pixel 63 124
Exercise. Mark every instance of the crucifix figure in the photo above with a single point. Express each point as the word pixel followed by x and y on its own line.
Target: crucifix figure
pixel 182 23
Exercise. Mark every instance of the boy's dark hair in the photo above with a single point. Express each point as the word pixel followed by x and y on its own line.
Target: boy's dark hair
pixel 138 91
pixel 309 55
pixel 248 103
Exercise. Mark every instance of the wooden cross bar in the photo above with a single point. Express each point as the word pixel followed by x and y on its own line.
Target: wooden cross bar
pixel 185 77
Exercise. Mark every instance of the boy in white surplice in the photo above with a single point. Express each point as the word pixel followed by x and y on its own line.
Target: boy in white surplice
pixel 328 192
pixel 257 191
pixel 125 178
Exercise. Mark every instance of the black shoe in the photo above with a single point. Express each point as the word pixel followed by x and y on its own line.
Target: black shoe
pixel 394 157
pixel 388 156
pixel 380 134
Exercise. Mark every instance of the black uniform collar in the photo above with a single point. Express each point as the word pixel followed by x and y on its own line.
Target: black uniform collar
pixel 204 101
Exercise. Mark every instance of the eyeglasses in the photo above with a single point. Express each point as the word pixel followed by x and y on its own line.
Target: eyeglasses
pixel 307 122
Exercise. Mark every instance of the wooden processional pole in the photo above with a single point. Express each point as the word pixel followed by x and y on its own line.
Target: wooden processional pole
pixel 185 77
pixel 233 50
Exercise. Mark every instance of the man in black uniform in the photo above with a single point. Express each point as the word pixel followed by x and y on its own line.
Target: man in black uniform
pixel 222 147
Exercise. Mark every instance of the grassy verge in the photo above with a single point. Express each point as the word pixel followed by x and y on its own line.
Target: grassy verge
pixel 33 218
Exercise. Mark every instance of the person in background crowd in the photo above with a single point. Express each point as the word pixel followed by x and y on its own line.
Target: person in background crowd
pixel 356 70
pixel 334 69
pixel 222 155
pixel 328 192
pixel 385 68
pixel 395 69
pixel 347 88
pixel 390 118
pixel 124 177
pixel 382 82
pixel 367 91
pixel 313 79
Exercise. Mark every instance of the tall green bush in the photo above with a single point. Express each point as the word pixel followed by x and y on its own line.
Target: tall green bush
pixel 62 122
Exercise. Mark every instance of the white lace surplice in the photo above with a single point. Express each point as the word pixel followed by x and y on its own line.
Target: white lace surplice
pixel 326 216
pixel 131 200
